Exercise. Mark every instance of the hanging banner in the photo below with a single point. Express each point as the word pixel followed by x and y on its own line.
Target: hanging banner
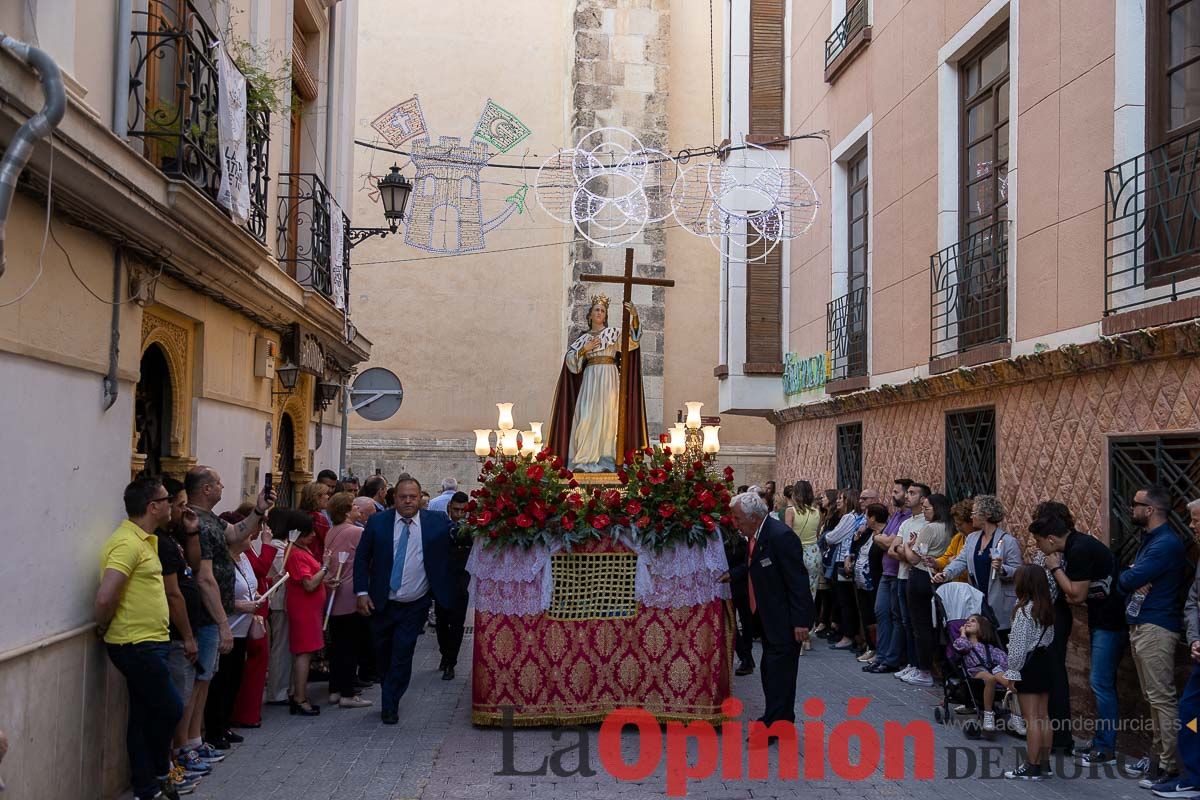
pixel 337 254
pixel 234 193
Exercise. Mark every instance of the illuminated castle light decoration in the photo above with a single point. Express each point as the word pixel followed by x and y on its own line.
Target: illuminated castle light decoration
pixel 446 208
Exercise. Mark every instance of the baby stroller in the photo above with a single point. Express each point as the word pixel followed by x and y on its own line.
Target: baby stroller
pixel 953 604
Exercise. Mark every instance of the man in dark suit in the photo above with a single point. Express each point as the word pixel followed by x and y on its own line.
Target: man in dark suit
pixel 779 598
pixel 402 561
pixel 451 622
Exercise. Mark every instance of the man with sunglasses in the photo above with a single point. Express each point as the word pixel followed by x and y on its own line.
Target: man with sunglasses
pixel 133 618
pixel 1157 576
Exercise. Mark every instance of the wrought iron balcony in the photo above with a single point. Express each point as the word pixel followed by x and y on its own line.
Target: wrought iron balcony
pixel 173 97
pixel 851 34
pixel 970 292
pixel 1152 227
pixel 303 234
pixel 846 335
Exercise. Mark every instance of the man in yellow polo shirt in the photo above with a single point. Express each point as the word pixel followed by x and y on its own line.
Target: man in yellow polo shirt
pixel 132 616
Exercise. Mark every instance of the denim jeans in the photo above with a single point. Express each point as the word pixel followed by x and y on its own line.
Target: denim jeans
pixel 1107 649
pixel 887 650
pixel 154 710
pixel 1189 741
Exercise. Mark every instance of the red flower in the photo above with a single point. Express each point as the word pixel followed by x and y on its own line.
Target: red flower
pixel 612 498
pixel 629 456
pixel 486 517
pixel 522 491
pixel 729 473
pixel 535 472
pixel 557 463
pixel 666 510
pixel 648 451
pixel 622 476
pixel 500 480
pixel 689 475
pixel 537 509
pixel 601 521
pixel 668 464
pixel 596 492
pixel 510 466
pixel 666 451
pixel 524 520
pixel 488 466
pixel 564 474
pixel 657 476
pixel 663 438
pixel 645 490
pixel 633 507
pixel 726 520
pixel 623 520
pixel 698 465
pixel 707 521
pixel 471 506
pixel 542 456
pixel 574 501
pixel 568 523
pixel 574 484
pixel 643 521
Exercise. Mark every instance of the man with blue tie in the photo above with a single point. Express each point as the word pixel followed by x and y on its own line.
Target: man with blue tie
pixel 401 564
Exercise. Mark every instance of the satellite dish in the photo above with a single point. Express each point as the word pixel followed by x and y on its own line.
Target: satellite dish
pixel 376 394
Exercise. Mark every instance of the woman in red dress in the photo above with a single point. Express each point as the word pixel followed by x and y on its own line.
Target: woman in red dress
pixel 247 709
pixel 314 498
pixel 305 608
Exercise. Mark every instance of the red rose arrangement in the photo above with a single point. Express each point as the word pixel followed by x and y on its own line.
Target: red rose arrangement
pixel 533 499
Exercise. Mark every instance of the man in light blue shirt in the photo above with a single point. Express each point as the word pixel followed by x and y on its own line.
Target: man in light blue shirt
pixel 442 501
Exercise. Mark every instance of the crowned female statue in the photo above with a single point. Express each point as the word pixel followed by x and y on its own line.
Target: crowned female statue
pixel 583 426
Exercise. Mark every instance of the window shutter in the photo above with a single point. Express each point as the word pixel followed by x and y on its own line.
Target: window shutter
pixel 764 303
pixel 766 68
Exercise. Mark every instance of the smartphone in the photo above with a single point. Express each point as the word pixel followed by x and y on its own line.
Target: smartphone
pixel 269 480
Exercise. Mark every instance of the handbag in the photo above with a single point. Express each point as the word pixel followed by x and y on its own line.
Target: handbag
pixel 258 628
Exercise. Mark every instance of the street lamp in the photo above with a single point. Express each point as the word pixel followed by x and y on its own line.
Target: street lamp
pixel 327 392
pixel 394 190
pixel 287 374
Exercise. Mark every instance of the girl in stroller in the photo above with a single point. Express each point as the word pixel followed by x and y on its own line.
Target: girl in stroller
pixel 978 647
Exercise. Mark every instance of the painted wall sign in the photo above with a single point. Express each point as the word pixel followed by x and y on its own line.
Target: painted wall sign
pixel 802 374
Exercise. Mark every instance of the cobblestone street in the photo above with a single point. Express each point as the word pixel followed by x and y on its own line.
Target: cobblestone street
pixel 435 752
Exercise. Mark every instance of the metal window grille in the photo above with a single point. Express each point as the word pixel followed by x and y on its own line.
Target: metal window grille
pixel 302 236
pixel 854 21
pixel 1172 462
pixel 846 335
pixel 970 453
pixel 970 292
pixel 849 456
pixel 593 586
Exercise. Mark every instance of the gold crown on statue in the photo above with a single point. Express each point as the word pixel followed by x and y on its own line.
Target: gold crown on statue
pixel 600 300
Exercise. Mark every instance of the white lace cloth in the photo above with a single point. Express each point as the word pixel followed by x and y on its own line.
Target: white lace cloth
pixel 509 580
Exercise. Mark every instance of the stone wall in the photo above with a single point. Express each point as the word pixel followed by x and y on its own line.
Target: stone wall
pixel 619 78
pixel 1052 441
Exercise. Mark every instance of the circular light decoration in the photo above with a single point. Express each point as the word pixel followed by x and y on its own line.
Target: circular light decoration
pixel 608 186
pixel 747 198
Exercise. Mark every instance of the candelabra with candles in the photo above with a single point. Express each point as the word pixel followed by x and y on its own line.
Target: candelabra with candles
pixel 695 440
pixel 509 441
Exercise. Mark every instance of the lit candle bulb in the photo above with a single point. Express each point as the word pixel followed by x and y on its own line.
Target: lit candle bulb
pixel 506 417
pixel 528 443
pixel 483 444
pixel 509 444
pixel 536 428
pixel 711 443
pixel 693 414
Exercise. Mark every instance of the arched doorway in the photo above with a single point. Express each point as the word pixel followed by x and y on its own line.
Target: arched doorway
pixel 286 463
pixel 152 410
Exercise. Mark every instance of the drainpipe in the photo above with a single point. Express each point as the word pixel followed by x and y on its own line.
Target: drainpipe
pixel 120 123
pixel 111 386
pixel 36 127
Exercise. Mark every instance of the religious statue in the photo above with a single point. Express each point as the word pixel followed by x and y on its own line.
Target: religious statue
pixel 587 401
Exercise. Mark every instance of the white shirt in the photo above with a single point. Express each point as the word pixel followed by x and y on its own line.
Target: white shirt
pixel 441 502
pixel 908 534
pixel 243 589
pixel 414 583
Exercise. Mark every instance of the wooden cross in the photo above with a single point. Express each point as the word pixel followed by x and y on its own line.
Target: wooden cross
pixel 628 281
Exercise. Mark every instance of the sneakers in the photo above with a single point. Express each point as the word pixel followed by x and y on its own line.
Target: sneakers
pixel 1025 772
pixel 1178 787
pixel 1016 724
pixel 1096 758
pixel 1158 777
pixel 180 782
pixel 209 754
pixel 918 678
pixel 904 673
pixel 867 657
pixel 1140 767
pixel 963 709
pixel 989 721
pixel 191 763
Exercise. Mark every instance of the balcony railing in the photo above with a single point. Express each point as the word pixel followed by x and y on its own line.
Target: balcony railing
pixel 852 32
pixel 970 292
pixel 302 236
pixel 846 335
pixel 1152 226
pixel 173 97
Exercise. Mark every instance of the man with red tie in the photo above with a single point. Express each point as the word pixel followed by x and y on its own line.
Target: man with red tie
pixel 779 598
